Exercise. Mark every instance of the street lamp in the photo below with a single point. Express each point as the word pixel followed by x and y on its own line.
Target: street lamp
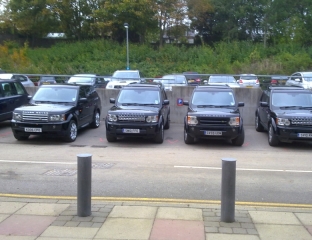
pixel 126 25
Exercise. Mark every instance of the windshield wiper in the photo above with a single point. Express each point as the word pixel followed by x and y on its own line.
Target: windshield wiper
pixel 288 107
pixel 305 107
pixel 130 104
pixel 204 106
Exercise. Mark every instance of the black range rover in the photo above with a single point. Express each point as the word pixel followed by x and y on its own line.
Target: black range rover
pixel 58 110
pixel 140 110
pixel 286 113
pixel 213 113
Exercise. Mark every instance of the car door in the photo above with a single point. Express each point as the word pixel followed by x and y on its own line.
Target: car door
pixel 84 106
pixel 164 108
pixel 264 110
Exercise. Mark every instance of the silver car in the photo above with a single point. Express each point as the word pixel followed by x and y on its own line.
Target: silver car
pixel 300 79
pixel 223 80
pixel 19 77
pixel 171 80
pixel 248 80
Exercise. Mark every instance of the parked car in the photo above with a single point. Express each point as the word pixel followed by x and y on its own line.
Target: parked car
pixel 140 110
pixel 193 78
pixel 223 80
pixel 46 80
pixel 248 80
pixel 300 79
pixel 170 80
pixel 122 78
pixel 88 79
pixel 58 110
pixel 285 112
pixel 19 77
pixel 12 95
pixel 213 113
pixel 277 80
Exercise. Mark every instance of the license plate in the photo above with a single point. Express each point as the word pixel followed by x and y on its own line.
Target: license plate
pixel 213 133
pixel 304 135
pixel 131 130
pixel 33 130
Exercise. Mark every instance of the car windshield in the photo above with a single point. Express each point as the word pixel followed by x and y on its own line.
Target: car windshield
pixel 222 79
pixel 249 77
pixel 292 99
pixel 55 95
pixel 307 77
pixel 139 96
pixel 129 75
pixel 81 79
pixel 213 98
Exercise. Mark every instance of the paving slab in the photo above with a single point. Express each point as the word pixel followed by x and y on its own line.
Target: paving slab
pixel 274 217
pixel 69 232
pixel 220 236
pixel 133 212
pixel 25 225
pixel 47 209
pixel 282 232
pixel 3 216
pixel 177 230
pixel 125 228
pixel 305 218
pixel 180 213
pixel 2 237
pixel 10 207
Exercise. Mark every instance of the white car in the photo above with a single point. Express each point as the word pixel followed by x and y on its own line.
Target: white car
pixel 300 79
pixel 19 77
pixel 170 80
pixel 122 78
pixel 223 80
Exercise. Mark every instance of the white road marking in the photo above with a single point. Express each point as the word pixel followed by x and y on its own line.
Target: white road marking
pixel 248 169
pixel 36 162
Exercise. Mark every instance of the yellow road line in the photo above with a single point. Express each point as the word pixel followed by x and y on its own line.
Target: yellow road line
pixel 160 200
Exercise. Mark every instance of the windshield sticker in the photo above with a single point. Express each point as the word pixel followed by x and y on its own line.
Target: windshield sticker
pixel 74 99
pixel 156 101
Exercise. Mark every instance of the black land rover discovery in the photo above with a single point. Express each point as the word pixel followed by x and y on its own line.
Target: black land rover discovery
pixel 140 110
pixel 213 113
pixel 57 110
pixel 286 113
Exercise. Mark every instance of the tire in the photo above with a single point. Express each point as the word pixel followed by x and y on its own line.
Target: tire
pixel 159 138
pixel 167 125
pixel 20 137
pixel 239 141
pixel 258 125
pixel 72 132
pixel 187 138
pixel 96 120
pixel 272 139
pixel 110 138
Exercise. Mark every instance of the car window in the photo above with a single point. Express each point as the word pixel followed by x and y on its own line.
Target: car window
pixel 81 79
pixel 213 98
pixel 222 79
pixel 20 78
pixel 56 94
pixel 291 99
pixel 181 79
pixel 19 89
pixel 8 89
pixel 139 96
pixel 249 77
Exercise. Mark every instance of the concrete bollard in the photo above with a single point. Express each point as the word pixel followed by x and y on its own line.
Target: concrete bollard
pixel 228 190
pixel 84 162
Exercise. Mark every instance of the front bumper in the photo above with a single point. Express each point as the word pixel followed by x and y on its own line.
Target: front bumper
pixel 289 134
pixel 228 132
pixel 146 130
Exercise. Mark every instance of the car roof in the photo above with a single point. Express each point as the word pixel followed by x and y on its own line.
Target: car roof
pixel 146 85
pixel 304 73
pixel 248 74
pixel 8 80
pixel 127 71
pixel 213 86
pixel 287 88
pixel 85 75
pixel 6 75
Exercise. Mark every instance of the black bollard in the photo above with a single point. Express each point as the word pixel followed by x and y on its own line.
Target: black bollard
pixel 84 162
pixel 228 190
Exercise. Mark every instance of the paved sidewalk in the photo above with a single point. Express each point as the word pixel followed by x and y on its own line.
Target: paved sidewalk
pixel 51 219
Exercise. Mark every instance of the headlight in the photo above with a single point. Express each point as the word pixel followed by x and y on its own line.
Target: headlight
pixel 282 121
pixel 151 119
pixel 192 120
pixel 57 117
pixel 112 118
pixel 234 121
pixel 17 116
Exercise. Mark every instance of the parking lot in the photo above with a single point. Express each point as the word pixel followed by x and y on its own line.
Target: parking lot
pixel 140 168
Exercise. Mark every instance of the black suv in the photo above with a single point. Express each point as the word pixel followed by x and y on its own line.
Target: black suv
pixel 141 110
pixel 285 112
pixel 213 113
pixel 58 109
pixel 12 95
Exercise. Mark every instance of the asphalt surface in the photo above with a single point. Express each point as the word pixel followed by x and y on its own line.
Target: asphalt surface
pixel 136 168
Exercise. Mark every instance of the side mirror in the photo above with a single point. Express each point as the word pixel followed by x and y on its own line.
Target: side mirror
pixel 186 103
pixel 166 102
pixel 264 104
pixel 112 100
pixel 241 104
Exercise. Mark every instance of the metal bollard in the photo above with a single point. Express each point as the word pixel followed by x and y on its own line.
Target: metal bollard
pixel 84 162
pixel 228 190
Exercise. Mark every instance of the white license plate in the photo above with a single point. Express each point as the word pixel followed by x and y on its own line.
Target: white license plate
pixel 131 130
pixel 33 130
pixel 304 135
pixel 213 133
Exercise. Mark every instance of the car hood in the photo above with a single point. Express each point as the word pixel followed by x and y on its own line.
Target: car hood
pixel 294 113
pixel 134 110
pixel 44 107
pixel 232 85
pixel 213 112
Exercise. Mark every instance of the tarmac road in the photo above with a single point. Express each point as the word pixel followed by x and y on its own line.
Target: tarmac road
pixel 136 168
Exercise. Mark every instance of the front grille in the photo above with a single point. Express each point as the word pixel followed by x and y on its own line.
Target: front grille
pixel 131 118
pixel 213 121
pixel 35 117
pixel 301 121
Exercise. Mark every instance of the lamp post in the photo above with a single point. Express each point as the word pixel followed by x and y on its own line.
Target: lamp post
pixel 126 25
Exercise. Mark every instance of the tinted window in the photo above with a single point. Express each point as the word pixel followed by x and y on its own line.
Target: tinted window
pixel 19 89
pixel 56 94
pixel 213 98
pixel 292 99
pixel 139 96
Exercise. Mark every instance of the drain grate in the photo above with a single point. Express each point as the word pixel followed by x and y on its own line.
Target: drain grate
pixel 102 165
pixel 98 146
pixel 61 172
pixel 78 145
